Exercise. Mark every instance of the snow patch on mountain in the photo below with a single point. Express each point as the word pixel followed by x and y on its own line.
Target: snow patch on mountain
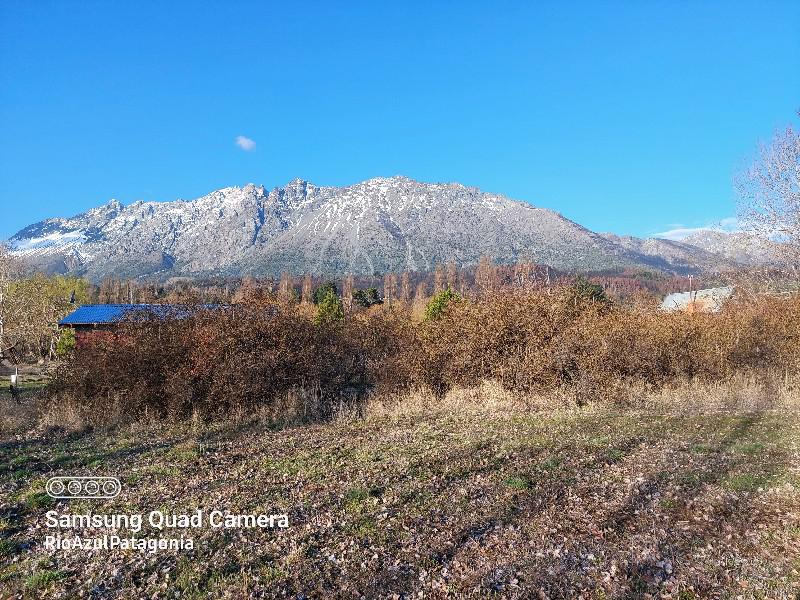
pixel 49 241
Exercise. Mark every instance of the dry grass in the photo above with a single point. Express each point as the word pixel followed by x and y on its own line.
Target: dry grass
pixel 740 394
pixel 489 396
pixel 15 415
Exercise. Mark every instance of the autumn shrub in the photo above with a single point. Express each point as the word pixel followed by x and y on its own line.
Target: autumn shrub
pixel 540 342
pixel 214 362
pixel 276 357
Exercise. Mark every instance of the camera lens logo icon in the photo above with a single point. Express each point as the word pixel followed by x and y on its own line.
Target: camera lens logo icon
pixel 99 488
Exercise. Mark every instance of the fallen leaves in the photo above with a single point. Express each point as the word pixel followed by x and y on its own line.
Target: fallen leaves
pixel 596 504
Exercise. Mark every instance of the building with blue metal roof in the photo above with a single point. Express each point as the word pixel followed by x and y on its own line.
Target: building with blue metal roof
pixel 112 314
pixel 99 319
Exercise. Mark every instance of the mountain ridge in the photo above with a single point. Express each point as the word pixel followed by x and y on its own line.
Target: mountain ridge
pixel 379 225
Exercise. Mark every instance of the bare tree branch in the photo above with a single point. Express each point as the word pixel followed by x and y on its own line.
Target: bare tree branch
pixel 769 192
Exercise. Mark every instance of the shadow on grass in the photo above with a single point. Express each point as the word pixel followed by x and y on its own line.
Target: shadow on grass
pixel 622 526
pixel 671 550
pixel 646 576
pixel 451 473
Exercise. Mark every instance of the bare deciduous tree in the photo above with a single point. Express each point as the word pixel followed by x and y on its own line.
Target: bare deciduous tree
pixel 8 269
pixel 389 288
pixel 524 275
pixel 486 278
pixel 405 287
pixel 452 275
pixel 769 193
pixel 421 293
pixel 438 279
pixel 347 292
pixel 307 290
pixel 286 287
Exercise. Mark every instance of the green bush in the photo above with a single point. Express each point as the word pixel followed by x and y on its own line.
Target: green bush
pixel 366 298
pixel 66 343
pixel 329 287
pixel 439 302
pixel 329 309
pixel 583 289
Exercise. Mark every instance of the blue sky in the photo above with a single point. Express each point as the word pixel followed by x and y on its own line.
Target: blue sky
pixel 624 116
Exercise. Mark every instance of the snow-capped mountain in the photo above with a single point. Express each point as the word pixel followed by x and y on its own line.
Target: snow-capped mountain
pixel 672 255
pixel 739 247
pixel 379 225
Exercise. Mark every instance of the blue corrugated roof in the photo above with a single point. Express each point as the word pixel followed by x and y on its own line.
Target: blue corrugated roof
pixel 98 314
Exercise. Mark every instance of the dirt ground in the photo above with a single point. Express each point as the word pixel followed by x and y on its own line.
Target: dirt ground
pixel 441 502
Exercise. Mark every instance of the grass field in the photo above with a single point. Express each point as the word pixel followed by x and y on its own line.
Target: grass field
pixel 432 501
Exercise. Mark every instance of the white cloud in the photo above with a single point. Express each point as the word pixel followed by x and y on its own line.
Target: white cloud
pixel 680 232
pixel 245 143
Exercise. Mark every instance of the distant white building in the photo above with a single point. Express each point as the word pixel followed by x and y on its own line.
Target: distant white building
pixel 708 300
